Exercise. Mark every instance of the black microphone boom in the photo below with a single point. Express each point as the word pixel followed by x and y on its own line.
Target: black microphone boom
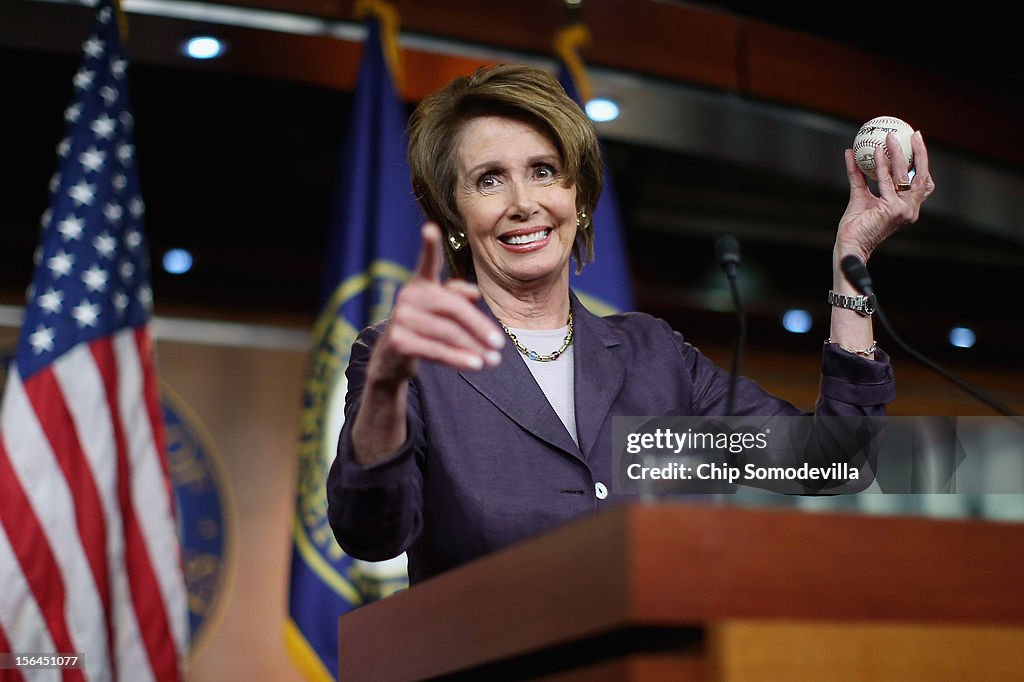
pixel 857 274
pixel 727 252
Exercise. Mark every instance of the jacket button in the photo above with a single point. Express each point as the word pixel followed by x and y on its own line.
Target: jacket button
pixel 600 490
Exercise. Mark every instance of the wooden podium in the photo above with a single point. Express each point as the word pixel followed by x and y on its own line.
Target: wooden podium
pixel 690 592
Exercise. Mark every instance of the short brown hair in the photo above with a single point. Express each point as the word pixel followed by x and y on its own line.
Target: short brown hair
pixel 523 92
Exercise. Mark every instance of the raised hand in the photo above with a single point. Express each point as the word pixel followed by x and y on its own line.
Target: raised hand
pixel 435 320
pixel 869 219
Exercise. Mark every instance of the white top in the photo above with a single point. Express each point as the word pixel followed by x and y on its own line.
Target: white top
pixel 555 378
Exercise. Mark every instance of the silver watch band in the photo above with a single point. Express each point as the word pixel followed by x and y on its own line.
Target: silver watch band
pixel 862 305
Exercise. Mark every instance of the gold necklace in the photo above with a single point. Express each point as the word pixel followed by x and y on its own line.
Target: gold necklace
pixel 534 355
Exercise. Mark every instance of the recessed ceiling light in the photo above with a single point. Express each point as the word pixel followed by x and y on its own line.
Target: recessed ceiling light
pixel 204 47
pixel 962 337
pixel 797 321
pixel 177 261
pixel 600 109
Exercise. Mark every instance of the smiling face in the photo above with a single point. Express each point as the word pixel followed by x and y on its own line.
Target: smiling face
pixel 519 217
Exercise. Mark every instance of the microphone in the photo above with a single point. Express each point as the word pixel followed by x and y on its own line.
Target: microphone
pixel 857 274
pixel 727 252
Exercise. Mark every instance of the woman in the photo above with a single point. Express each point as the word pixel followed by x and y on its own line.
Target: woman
pixel 480 413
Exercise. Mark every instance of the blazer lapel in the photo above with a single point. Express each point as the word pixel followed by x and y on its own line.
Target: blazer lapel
pixel 512 389
pixel 599 374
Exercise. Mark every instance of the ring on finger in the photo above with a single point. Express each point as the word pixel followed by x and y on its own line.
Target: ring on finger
pixel 901 186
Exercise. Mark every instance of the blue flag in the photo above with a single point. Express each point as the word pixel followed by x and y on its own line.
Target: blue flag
pixel 373 245
pixel 604 286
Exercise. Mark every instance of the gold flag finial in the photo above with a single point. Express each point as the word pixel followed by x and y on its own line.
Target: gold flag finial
pixel 388 17
pixel 567 44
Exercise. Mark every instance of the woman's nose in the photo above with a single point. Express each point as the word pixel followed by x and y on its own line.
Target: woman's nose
pixel 522 201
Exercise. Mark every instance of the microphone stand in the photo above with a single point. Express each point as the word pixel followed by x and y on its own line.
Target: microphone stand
pixel 857 274
pixel 728 252
pixel 991 402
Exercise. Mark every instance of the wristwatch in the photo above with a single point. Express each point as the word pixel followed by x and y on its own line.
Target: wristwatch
pixel 862 305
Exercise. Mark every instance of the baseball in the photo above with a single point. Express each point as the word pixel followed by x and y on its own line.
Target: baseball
pixel 872 134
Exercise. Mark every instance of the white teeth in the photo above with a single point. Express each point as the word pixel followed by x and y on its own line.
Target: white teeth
pixel 526 238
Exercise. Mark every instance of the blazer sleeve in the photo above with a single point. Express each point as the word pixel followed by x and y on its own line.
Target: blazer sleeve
pixel 853 385
pixel 853 388
pixel 376 512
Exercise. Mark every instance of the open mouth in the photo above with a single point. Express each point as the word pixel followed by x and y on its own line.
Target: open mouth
pixel 526 238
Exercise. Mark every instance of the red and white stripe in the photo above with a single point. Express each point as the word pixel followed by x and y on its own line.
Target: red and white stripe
pixel 89 555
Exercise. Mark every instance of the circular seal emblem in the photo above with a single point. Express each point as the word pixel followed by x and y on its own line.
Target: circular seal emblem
pixel 200 496
pixel 366 296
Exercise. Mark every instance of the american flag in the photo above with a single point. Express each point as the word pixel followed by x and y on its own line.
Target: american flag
pixel 90 561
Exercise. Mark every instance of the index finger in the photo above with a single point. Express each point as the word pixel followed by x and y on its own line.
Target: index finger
pixel 854 174
pixel 431 258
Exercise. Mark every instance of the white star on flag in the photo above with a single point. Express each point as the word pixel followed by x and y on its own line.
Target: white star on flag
pixel 125 152
pixel 86 314
pixel 92 159
pixel 71 227
pixel 82 193
pixel 108 94
pixel 113 212
pixel 95 278
pixel 41 339
pixel 121 301
pixel 83 79
pixel 133 239
pixel 104 126
pixel 145 295
pixel 51 301
pixel 60 263
pixel 104 244
pixel 93 47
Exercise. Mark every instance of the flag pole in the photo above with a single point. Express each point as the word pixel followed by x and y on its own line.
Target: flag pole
pixel 122 20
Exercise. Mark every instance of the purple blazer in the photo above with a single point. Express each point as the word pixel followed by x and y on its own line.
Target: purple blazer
pixel 488 462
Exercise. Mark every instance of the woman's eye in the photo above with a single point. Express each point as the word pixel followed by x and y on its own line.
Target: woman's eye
pixel 487 181
pixel 545 172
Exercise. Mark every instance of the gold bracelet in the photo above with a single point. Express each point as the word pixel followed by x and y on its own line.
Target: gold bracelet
pixel 866 353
